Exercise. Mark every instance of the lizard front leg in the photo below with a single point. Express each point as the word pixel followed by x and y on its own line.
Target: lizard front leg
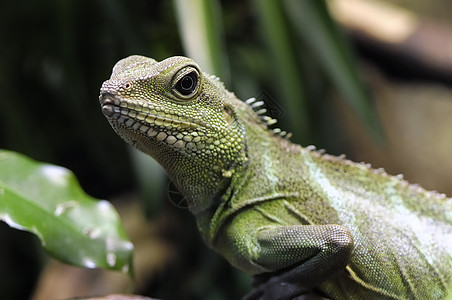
pixel 302 257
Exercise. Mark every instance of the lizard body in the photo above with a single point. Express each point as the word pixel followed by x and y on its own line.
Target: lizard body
pixel 294 218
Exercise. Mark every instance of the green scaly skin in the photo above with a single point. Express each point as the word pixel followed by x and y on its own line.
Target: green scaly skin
pixel 292 217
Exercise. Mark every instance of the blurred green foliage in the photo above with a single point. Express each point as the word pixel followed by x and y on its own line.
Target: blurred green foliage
pixel 54 55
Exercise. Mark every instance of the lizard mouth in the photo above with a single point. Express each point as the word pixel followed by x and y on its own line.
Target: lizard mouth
pixel 143 116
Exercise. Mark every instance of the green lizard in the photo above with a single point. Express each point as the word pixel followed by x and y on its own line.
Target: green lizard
pixel 294 218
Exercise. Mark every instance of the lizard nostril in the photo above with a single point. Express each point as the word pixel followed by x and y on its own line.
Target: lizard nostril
pixel 105 98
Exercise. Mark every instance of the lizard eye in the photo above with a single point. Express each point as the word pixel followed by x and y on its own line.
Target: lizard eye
pixel 186 83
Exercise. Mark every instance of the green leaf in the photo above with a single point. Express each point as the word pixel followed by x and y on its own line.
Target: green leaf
pixel 73 227
pixel 313 24
pixel 286 73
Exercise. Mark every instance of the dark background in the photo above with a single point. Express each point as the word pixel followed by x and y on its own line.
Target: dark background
pixel 54 56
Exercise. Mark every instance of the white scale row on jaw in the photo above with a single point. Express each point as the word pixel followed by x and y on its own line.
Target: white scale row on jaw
pixel 178 140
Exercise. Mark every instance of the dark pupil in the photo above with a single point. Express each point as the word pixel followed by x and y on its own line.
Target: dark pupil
pixel 187 84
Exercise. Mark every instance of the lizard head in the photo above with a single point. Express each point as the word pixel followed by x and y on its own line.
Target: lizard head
pixel 180 116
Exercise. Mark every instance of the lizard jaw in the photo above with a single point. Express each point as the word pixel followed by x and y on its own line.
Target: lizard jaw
pixel 144 119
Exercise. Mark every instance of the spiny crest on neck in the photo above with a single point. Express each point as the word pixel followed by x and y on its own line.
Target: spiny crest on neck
pixel 260 110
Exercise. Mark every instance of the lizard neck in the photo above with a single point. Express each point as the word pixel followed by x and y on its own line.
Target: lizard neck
pixel 202 184
pixel 258 181
pixel 203 179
